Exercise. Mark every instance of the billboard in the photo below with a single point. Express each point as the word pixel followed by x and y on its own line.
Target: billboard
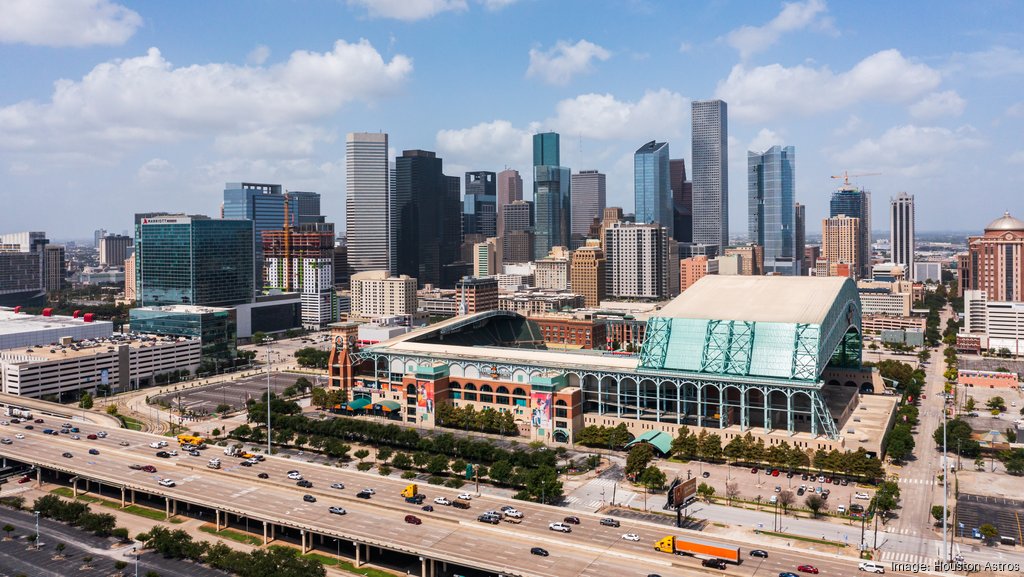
pixel 541 413
pixel 681 492
pixel 424 398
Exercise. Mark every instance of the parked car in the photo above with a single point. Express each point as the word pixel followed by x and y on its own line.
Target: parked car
pixel 705 474
pixel 609 522
pixel 539 551
pixel 753 470
pixel 775 472
pixel 860 495
pixel 560 527
pixel 24 479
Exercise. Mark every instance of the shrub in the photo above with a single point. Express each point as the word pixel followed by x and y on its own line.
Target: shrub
pixel 364 466
pixel 434 480
pixel 454 483
pixel 409 475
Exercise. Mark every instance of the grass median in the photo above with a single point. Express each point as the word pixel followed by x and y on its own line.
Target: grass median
pixel 348 567
pixel 154 514
pixel 237 536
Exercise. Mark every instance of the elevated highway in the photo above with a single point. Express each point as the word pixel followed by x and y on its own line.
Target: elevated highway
pixel 447 540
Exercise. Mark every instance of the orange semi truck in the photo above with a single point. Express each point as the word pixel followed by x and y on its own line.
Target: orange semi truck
pixel 697 548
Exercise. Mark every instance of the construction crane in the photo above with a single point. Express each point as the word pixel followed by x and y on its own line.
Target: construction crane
pixel 846 176
pixel 287 245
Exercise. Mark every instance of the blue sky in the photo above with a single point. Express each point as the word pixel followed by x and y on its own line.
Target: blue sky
pixel 108 108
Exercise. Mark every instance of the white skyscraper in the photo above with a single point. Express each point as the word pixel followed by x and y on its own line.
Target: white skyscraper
pixel 901 232
pixel 368 202
pixel 710 173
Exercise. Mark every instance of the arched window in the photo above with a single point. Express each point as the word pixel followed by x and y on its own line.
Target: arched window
pixel 454 385
pixel 519 392
pixel 486 389
pixel 470 387
pixel 410 390
pixel 502 390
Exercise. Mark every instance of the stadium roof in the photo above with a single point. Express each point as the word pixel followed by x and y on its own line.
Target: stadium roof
pixel 779 299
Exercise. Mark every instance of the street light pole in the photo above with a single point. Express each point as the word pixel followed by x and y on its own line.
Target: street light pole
pixel 267 342
pixel 37 528
pixel 945 488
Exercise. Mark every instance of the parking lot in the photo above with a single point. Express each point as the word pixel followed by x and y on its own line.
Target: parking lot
pixel 204 400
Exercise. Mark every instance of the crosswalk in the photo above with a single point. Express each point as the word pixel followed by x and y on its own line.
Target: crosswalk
pixel 898 557
pixel 900 531
pixel 909 481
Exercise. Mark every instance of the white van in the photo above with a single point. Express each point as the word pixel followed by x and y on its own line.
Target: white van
pixel 871 567
pixel 841 509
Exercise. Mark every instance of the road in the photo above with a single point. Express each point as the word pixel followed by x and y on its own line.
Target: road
pixel 591 550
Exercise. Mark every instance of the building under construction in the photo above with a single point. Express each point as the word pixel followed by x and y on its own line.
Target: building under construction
pixel 301 259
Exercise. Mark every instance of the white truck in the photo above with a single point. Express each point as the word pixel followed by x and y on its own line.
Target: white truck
pixel 214 464
pixel 232 450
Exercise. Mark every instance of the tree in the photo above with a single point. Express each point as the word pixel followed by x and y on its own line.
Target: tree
pixel 111 409
pixel 685 444
pixel 900 445
pixel 786 498
pixel 640 455
pixel 619 436
pixel 258 337
pixel 924 355
pixel 814 502
pixel 303 384
pixel 8 528
pixel 653 478
pixel 501 472
pixel 402 461
pixel 318 398
pixel 732 490
pixel 988 532
pixel 709 446
pixel 1012 459
pixel 85 402
pixel 120 565
pixel 361 454
pixel 958 438
pixel 384 453
pixel 996 404
pixel 970 404
pixel 60 549
pixel 437 465
pixel 937 513
pixel 705 491
pixel 979 463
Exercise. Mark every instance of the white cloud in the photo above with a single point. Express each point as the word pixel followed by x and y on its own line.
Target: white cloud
pixel 765 139
pixel 658 114
pixel 497 4
pixel 147 99
pixel 292 141
pixel 998 61
pixel 853 124
pixel 561 63
pixel 908 150
pixel 946 104
pixel 407 10
pixel 66 22
pixel 1016 110
pixel 495 143
pixel 258 55
pixel 794 16
pixel 156 169
pixel 768 92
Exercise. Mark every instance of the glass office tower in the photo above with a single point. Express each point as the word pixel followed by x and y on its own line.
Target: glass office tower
pixel 771 178
pixel 856 203
pixel 194 260
pixel 710 173
pixel 551 195
pixel 263 204
pixel 652 185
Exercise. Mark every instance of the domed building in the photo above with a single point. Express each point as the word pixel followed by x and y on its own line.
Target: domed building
pixel 994 262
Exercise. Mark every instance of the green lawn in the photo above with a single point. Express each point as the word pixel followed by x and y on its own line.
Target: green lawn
pixel 132 424
pixel 155 514
pixel 348 567
pixel 233 535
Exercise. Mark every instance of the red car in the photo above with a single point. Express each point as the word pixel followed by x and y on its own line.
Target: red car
pixel 149 469
pixel 91 437
pixel 775 472
pixel 808 569
pixel 24 479
pixel 753 470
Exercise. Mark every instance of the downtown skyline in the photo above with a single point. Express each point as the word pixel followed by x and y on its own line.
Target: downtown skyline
pixel 131 114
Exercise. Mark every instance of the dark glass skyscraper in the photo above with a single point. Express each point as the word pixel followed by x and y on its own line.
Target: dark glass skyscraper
pixel 856 203
pixel 771 183
pixel 480 207
pixel 652 187
pixel 194 260
pixel 263 204
pixel 682 201
pixel 551 195
pixel 427 206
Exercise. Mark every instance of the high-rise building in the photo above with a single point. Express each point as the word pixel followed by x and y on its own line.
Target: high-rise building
pixel 487 258
pixel 53 269
pixel 639 261
pixel 24 268
pixel 304 265
pixel 840 244
pixel 652 187
pixel 682 201
pixel 474 295
pixel 771 185
pixel 851 202
pixel 551 194
pixel 994 261
pixel 587 274
pixel 510 189
pixel 552 271
pixel 427 204
pixel 114 249
pixel 752 259
pixel 811 255
pixel 308 207
pixel 130 286
pixel 800 236
pixel 901 231
pixel 710 172
pixel 480 205
pixel 97 235
pixel 23 241
pixel 694 268
pixel 264 205
pixel 194 260
pixel 517 239
pixel 376 294
pixel 588 201
pixel 370 219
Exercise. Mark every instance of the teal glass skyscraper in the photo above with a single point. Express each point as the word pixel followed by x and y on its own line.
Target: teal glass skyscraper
pixel 771 196
pixel 193 260
pixel 652 186
pixel 551 195
pixel 856 203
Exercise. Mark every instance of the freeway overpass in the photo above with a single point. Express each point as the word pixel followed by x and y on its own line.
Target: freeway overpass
pixel 448 540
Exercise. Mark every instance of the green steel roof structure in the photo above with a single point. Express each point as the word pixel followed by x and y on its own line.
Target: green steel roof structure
pixel 745 326
pixel 658 439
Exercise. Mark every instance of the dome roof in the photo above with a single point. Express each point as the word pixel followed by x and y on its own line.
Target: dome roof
pixel 1005 222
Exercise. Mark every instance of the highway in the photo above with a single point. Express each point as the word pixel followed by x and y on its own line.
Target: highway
pixel 446 533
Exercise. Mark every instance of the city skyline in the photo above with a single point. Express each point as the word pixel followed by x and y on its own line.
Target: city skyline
pixel 934 111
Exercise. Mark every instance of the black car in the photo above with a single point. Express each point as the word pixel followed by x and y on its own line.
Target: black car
pixel 759 553
pixel 609 522
pixel 67 455
pixel 163 454
pixel 713 563
pixel 803 477
pixel 245 464
pixel 304 484
pixel 29 427
pixel 363 494
pixel 309 498
pixel 539 551
pixel 263 476
pixel 428 508
pixel 705 474
pixel 94 452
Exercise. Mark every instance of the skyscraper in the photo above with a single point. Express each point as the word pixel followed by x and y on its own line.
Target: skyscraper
pixel 849 201
pixel 263 204
pixel 771 178
pixel 194 260
pixel 306 267
pixel 901 232
pixel 639 261
pixel 551 195
pixel 994 261
pixel 652 187
pixel 840 245
pixel 710 173
pixel 307 207
pixel 800 237
pixel 587 275
pixel 426 203
pixel 682 201
pixel 588 201
pixel 370 219
pixel 517 241
pixel 510 189
pixel 114 249
pixel 479 208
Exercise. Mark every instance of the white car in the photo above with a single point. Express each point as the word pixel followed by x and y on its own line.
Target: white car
pixel 861 496
pixel 19 436
pixel 514 513
pixel 442 501
pixel 466 496
pixel 172 453
pixel 631 537
pixel 102 434
pixel 560 527
pixel 337 485
pixel 6 441
pixel 370 491
pixel 155 444
pixel 166 482
pixel 295 476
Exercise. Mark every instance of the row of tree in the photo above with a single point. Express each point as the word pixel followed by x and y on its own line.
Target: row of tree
pixel 312 358
pixel 469 419
pixel 78 515
pixel 275 560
